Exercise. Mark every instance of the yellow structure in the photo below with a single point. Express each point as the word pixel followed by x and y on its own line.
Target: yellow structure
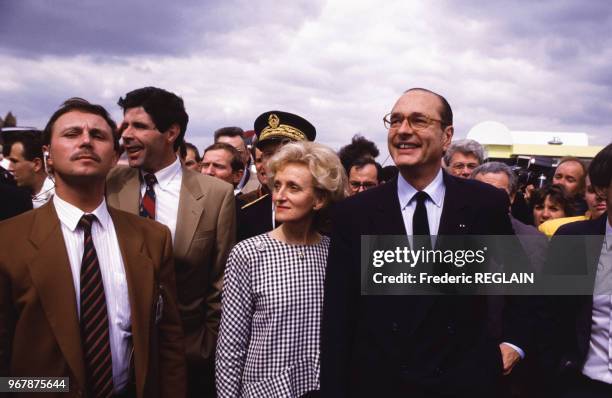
pixel 502 143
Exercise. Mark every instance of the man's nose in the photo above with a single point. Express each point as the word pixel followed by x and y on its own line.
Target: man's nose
pixel 126 132
pixel 85 138
pixel 210 171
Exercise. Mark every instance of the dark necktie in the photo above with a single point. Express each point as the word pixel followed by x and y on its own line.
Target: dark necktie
pixel 94 319
pixel 420 224
pixel 147 205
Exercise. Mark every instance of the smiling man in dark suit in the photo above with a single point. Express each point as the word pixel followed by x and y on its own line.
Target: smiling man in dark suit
pixel 388 346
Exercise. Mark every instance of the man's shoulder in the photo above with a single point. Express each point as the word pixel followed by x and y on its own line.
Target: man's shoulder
pixel 475 189
pixel 248 197
pixel 257 204
pixel 19 222
pixel 586 227
pixel 120 174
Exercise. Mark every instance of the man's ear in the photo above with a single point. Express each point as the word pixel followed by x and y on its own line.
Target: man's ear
pixel 237 176
pixel 38 164
pixel 172 133
pixel 447 137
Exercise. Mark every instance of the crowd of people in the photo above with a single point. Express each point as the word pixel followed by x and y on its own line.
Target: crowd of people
pixel 138 266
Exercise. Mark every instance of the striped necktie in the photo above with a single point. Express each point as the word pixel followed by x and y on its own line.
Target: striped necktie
pixel 147 205
pixel 94 319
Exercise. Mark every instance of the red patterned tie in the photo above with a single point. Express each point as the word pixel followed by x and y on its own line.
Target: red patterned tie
pixel 94 319
pixel 147 205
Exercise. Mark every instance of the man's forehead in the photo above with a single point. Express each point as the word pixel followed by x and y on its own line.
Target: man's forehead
pixel 80 119
pixel 218 154
pixel 236 141
pixel 368 168
pixel 570 165
pixel 16 148
pixel 136 113
pixel 419 101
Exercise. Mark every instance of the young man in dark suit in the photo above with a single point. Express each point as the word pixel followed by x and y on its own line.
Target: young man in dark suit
pixel 390 346
pixel 582 350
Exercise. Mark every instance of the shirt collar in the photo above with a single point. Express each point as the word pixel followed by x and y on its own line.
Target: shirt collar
pixel 70 215
pixel 166 175
pixel 46 191
pixel 435 190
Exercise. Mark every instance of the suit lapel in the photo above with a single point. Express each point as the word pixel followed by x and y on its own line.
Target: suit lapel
pixel 453 219
pixel 189 212
pixel 52 276
pixel 139 271
pixel 388 219
pixel 129 195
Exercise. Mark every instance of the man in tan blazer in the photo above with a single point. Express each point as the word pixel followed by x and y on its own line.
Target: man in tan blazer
pixel 88 292
pixel 198 209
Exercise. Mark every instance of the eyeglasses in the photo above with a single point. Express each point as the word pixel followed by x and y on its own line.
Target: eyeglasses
pixel 461 166
pixel 417 121
pixel 356 185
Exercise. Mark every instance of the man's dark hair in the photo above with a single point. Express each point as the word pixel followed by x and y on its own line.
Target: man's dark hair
pixel 80 105
pixel 360 147
pixel 188 146
pixel 236 162
pixel 446 113
pixel 362 162
pixel 164 107
pixel 31 141
pixel 600 169
pixel 229 132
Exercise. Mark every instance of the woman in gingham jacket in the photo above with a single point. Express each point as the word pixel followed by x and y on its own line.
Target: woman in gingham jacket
pixel 273 286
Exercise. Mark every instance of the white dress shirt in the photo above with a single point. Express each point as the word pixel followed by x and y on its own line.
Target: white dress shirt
pixel 167 194
pixel 113 276
pixel 434 205
pixel 598 365
pixel 45 193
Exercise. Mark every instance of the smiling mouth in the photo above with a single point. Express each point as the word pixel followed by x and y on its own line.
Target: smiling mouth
pixel 406 145
pixel 133 149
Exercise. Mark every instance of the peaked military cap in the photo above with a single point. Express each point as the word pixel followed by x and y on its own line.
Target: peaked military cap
pixel 278 125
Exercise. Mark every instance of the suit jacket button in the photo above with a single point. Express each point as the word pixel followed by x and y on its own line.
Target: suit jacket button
pixel 450 329
pixel 394 327
pixel 438 372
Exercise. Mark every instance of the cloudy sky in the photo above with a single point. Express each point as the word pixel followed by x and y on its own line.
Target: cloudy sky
pixel 532 65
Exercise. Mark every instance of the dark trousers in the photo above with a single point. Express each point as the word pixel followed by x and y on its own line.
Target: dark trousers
pixel 200 381
pixel 581 386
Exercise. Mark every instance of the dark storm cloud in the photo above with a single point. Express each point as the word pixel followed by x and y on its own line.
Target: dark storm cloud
pixel 35 28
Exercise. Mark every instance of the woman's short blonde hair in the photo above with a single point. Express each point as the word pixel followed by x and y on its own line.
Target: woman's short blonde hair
pixel 328 175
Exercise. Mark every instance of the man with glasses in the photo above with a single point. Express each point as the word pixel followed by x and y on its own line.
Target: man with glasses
pixel 403 345
pixel 363 175
pixel 462 157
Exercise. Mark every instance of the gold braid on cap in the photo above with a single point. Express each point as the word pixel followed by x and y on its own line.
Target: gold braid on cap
pixel 275 129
